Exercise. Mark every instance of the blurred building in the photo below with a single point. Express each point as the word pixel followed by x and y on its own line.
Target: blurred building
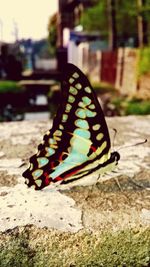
pixel 69 15
pixel 68 18
pixel 90 51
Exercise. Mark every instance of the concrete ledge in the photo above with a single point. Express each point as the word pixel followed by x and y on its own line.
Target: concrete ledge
pixel 84 224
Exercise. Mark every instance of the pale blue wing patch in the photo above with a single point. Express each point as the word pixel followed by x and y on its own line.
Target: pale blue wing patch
pixel 80 145
pixel 42 161
pixel 92 106
pixel 37 173
pixel 52 141
pixel 50 151
pixel 68 108
pixel 71 80
pixel 96 127
pixel 86 100
pixel 73 90
pixel 64 117
pixel 61 127
pixel 88 89
pixel 78 86
pixel 82 124
pixel 38 182
pixel 57 133
pixel 71 99
pixel 81 113
pixel 82 133
pixel 77 154
pixel 75 75
pixel 90 113
pixel 82 105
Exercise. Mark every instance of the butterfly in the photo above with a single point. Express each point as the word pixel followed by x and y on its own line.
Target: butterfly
pixel 78 143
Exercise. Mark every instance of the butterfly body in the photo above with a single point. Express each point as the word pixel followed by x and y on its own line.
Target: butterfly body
pixel 78 143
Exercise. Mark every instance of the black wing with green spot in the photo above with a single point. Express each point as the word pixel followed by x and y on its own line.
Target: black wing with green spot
pixel 79 135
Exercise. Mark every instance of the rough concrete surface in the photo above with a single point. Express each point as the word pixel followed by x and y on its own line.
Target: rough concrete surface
pixel 119 202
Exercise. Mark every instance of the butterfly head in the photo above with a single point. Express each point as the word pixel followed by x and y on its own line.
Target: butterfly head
pixel 115 156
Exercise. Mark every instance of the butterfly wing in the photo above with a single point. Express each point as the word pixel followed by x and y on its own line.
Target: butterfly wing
pixel 79 137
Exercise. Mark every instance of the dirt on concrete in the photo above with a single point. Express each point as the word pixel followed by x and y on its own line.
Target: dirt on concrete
pixel 103 224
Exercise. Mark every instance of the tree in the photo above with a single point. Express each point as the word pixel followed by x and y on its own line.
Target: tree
pixel 102 17
pixel 112 27
pixel 95 18
pixel 126 19
pixel 118 21
pixel 142 21
pixel 52 33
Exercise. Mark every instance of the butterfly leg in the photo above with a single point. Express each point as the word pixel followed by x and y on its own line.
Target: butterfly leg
pixel 114 171
pixel 118 184
pixel 90 191
pixel 137 184
pixel 115 178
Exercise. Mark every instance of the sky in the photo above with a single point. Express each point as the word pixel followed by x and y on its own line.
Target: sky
pixel 26 18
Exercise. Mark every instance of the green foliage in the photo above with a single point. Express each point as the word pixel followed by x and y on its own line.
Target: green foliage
pixel 122 105
pixel 10 87
pixel 52 34
pixel 138 108
pixel 101 88
pixel 145 10
pixel 144 62
pixel 126 18
pixel 131 107
pixel 17 253
pixel 96 18
pixel 52 38
pixel 38 248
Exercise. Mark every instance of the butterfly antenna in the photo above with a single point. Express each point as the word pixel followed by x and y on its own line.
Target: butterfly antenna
pixel 137 144
pixel 114 137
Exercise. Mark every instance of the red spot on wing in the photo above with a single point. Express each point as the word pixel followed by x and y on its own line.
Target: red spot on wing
pixel 72 173
pixel 47 178
pixel 52 165
pixel 93 148
pixel 58 178
pixel 47 181
pixel 60 157
pixel 46 174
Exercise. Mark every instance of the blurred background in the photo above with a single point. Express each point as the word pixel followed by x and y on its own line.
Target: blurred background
pixel 108 39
